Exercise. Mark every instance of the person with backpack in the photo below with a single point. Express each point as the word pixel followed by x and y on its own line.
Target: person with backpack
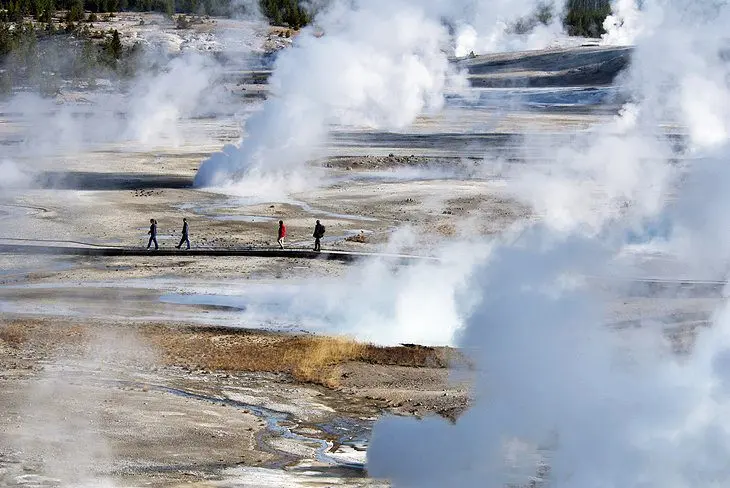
pixel 184 237
pixel 282 234
pixel 318 234
pixel 153 234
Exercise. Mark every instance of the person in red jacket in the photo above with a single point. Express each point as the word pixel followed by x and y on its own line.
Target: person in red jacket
pixel 282 234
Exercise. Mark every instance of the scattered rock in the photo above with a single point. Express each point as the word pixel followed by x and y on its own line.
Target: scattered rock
pixel 350 163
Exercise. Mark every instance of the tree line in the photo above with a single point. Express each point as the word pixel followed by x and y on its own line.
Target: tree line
pixel 37 58
pixel 24 45
pixel 583 18
pixel 279 12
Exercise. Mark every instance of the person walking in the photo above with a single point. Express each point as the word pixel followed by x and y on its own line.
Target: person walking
pixel 184 237
pixel 282 234
pixel 318 234
pixel 153 234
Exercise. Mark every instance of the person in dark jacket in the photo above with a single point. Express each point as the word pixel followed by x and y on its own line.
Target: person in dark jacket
pixel 153 234
pixel 318 234
pixel 281 234
pixel 184 237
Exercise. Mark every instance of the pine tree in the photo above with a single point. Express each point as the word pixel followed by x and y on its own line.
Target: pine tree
pixel 85 62
pixel 6 84
pixel 36 9
pixel 76 14
pixel 47 16
pixel 7 42
pixel 115 45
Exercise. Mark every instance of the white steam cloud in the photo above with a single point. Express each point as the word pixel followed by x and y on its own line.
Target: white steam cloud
pixel 491 26
pixel 147 114
pixel 160 101
pixel 62 428
pixel 624 24
pixel 143 113
pixel 377 64
pixel 423 303
pixel 611 172
pixel 560 399
pixel 151 116
pixel 12 176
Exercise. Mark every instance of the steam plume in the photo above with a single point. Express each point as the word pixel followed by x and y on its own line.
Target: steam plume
pixel 556 387
pixel 375 65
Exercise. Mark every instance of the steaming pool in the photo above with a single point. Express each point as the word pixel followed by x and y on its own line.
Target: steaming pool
pixel 539 98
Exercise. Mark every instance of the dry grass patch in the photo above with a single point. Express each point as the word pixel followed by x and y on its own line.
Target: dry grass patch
pixel 313 358
pixel 447 230
pixel 13 334
pixel 360 238
pixel 308 358
pixel 410 355
pixel 43 333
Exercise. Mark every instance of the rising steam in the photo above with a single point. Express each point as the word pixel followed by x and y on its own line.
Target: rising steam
pixel 624 24
pixel 559 394
pixel 377 65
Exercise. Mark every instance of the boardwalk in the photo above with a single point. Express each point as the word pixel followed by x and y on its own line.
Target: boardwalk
pixel 70 248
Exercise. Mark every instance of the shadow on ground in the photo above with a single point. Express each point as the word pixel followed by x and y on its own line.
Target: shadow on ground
pixel 86 180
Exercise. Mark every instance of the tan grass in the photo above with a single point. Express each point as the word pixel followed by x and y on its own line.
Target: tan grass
pixel 447 230
pixel 315 359
pixel 13 334
pixel 361 238
pixel 40 333
pixel 312 359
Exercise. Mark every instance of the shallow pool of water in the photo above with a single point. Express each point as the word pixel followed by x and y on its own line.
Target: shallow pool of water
pixel 244 218
pixel 537 97
pixel 224 301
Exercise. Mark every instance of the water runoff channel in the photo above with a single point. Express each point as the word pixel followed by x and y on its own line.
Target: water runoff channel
pixel 338 432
